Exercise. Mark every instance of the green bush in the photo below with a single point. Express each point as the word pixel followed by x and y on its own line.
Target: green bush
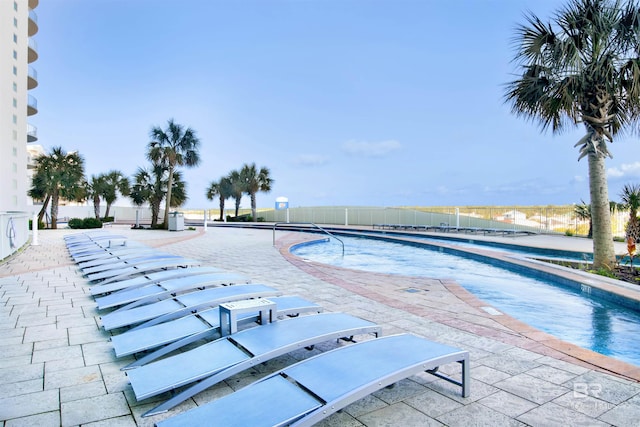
pixel 107 219
pixel 85 223
pixel 568 233
pixel 40 225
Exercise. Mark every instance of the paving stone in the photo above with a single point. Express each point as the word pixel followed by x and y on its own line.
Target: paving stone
pixel 584 404
pixel 29 404
pixel 399 414
pixel 93 409
pixel 605 387
pixel 432 403
pixel 624 413
pixel 82 391
pixel 551 374
pixel 367 404
pixel 487 375
pixel 44 332
pixel 552 415
pixel 57 353
pixel 63 364
pixel 23 387
pixel 531 388
pixel 508 404
pixel 508 364
pixel 124 421
pixel 49 344
pixel 13 350
pixel 71 377
pixel 47 419
pixel 476 415
pixel 21 373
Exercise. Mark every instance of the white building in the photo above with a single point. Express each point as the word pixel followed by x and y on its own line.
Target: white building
pixel 18 25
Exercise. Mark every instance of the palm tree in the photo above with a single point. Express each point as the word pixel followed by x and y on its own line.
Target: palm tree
pixel 585 69
pixel 38 191
pixel 631 200
pixel 150 186
pixel 94 191
pixel 223 189
pixel 237 188
pixel 175 146
pixel 113 182
pixel 59 175
pixel 583 213
pixel 254 181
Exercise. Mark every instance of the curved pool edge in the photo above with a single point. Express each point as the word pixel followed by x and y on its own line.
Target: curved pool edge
pixel 477 318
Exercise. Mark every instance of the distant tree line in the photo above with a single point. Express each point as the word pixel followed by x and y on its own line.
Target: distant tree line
pixel 61 176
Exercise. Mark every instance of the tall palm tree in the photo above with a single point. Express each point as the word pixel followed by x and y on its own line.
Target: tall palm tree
pixel 222 189
pixel 631 200
pixel 94 191
pixel 237 188
pixel 113 182
pixel 255 180
pixel 584 69
pixel 175 146
pixel 60 175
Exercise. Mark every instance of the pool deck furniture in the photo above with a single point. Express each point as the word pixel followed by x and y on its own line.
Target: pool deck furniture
pixel 172 335
pixel 309 391
pixel 213 362
pixel 129 298
pixel 183 305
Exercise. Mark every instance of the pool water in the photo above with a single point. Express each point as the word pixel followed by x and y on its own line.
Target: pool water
pixel 568 314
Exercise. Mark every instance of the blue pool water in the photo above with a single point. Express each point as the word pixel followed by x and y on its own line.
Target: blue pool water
pixel 568 314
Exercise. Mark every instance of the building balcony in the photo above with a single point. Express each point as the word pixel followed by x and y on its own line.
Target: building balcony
pixel 32 78
pixel 32 133
pixel 33 23
pixel 33 51
pixel 32 105
pixel 33 4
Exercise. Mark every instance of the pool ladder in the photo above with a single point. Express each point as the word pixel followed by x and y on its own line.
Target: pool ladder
pixel 307 223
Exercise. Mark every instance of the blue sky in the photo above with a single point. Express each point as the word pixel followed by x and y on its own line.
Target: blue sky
pixel 347 102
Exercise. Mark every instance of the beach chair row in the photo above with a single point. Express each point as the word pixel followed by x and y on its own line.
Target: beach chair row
pixel 445 228
pixel 191 326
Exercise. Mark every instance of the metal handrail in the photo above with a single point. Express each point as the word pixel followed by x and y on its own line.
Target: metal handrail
pixel 306 223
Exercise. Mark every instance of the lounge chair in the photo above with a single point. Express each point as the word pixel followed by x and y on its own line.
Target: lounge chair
pixel 120 274
pixel 150 278
pixel 123 260
pixel 183 305
pixel 177 333
pixel 309 391
pixel 130 298
pixel 215 361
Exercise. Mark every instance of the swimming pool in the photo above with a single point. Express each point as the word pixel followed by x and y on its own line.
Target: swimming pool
pixel 565 312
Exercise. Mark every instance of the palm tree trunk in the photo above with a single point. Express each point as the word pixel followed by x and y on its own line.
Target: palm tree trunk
pixel 253 206
pixel 603 252
pixel 168 202
pixel 96 206
pixel 54 210
pixel 106 213
pixel 221 209
pixel 44 208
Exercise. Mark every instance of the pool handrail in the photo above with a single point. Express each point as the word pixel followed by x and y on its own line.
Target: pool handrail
pixel 275 225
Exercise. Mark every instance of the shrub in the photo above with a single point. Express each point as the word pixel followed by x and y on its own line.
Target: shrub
pixel 75 223
pixel 107 219
pixel 568 233
pixel 40 225
pixel 85 223
pixel 91 223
